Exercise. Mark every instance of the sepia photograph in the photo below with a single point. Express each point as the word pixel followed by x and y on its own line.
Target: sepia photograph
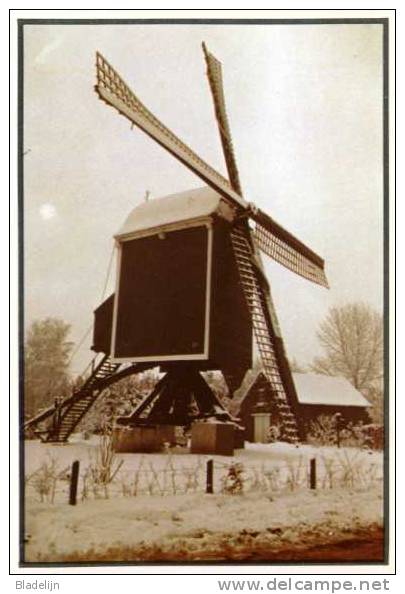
pixel 203 256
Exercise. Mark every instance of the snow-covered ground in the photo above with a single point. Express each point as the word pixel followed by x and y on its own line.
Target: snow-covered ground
pixel 268 466
pixel 171 513
pixel 130 528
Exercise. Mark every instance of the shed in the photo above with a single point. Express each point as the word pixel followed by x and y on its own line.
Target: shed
pixel 317 395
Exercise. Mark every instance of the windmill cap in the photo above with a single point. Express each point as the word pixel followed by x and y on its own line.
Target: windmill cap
pixel 171 210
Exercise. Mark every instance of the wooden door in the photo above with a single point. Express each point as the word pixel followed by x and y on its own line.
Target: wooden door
pixel 261 422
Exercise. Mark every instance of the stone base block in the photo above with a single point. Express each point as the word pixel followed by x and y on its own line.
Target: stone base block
pixel 239 439
pixel 212 438
pixel 142 439
pixel 167 433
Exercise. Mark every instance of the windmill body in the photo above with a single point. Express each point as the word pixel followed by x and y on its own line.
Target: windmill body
pixel 190 290
pixel 178 297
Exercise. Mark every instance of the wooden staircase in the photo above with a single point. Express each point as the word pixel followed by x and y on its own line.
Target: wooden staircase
pixel 84 398
pixel 263 328
pixel 67 415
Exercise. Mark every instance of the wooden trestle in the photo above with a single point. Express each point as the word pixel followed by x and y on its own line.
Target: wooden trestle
pixel 179 398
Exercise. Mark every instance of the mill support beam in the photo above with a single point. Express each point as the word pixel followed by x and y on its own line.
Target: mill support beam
pixel 181 397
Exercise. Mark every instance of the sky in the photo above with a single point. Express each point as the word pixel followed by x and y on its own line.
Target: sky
pixel 305 109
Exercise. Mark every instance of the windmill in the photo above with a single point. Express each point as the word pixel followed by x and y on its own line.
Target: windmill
pixel 190 288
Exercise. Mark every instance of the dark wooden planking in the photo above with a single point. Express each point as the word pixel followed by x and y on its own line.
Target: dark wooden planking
pixel 231 327
pixel 102 326
pixel 230 345
pixel 162 295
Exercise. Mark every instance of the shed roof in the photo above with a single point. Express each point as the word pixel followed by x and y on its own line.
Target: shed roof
pixel 172 209
pixel 316 389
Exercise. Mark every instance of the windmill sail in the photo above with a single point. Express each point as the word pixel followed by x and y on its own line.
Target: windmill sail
pixel 287 250
pixel 112 89
pixel 214 73
pixel 290 252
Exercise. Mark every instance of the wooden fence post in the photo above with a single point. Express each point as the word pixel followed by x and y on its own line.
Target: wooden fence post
pixel 74 480
pixel 210 476
pixel 312 473
pixel 338 419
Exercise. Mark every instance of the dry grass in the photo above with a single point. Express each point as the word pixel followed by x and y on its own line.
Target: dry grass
pixel 103 468
pixel 46 478
pixel 105 477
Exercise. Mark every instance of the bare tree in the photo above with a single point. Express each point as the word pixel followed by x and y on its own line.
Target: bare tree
pixel 352 338
pixel 296 367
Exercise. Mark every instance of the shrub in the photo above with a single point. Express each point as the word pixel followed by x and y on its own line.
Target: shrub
pixel 273 434
pixel 322 431
pixel 104 467
pixel 233 481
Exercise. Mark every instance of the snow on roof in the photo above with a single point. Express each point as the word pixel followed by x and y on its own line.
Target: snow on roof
pixel 324 389
pixel 246 386
pixel 172 209
pixel 313 388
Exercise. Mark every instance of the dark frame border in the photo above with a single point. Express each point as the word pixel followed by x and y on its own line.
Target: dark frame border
pixel 385 22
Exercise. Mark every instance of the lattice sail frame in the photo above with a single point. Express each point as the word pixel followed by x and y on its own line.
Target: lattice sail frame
pixel 272 238
pixel 214 73
pixel 284 254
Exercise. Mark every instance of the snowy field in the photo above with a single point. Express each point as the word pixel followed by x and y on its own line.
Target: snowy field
pixel 156 507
